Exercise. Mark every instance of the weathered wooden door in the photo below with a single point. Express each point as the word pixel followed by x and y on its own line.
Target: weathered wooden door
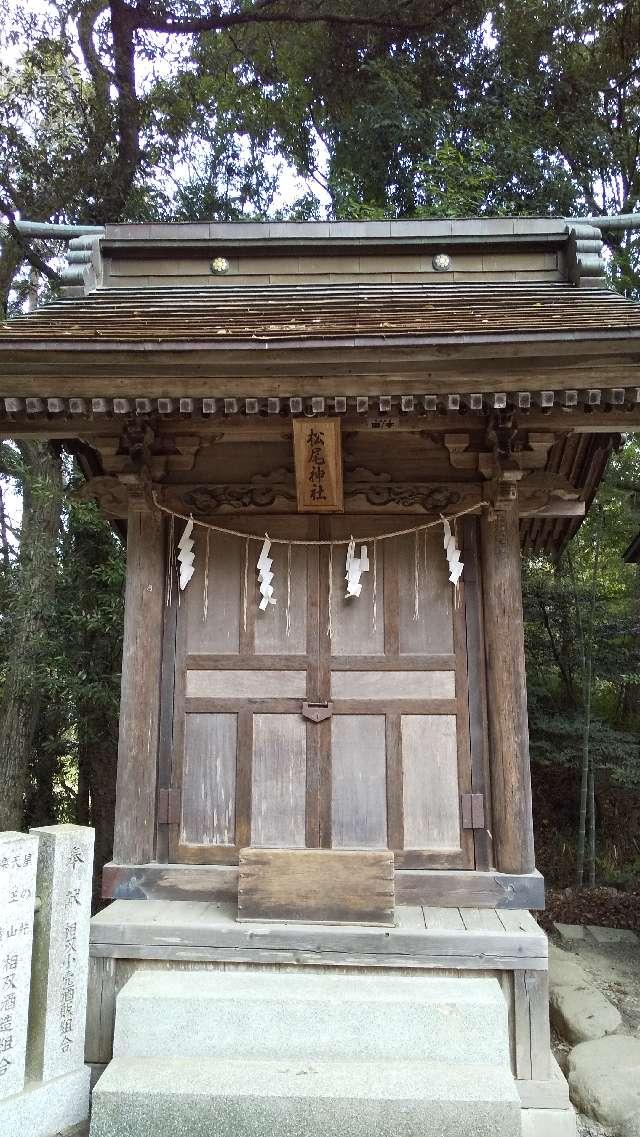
pixel 345 726
pixel 399 734
pixel 241 744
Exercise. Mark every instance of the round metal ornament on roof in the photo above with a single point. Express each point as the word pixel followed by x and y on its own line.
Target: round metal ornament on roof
pixel 219 265
pixel 441 262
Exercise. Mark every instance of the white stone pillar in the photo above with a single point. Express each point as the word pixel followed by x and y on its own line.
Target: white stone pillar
pixel 60 951
pixel 18 863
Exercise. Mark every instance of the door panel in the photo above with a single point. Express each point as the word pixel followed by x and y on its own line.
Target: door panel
pixel 271 636
pixel 358 782
pixel 393 684
pixel 387 763
pixel 279 772
pixel 246 684
pixel 432 631
pixel 219 633
pixel 430 782
pixel 240 743
pixel 352 627
pixel 403 777
pixel 209 797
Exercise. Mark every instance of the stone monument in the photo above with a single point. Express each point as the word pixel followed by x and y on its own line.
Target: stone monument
pixel 51 984
pixel 18 863
pixel 60 951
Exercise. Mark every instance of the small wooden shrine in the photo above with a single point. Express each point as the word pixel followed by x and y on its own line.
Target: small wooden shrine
pixel 329 443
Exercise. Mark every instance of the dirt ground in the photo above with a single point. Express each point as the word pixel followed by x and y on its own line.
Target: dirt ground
pixel 615 969
pixel 608 907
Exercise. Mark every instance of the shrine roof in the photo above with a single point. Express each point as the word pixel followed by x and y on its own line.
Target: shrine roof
pixel 340 314
pixel 447 322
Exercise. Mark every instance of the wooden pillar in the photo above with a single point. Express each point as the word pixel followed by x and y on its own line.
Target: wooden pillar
pixel 512 826
pixel 134 836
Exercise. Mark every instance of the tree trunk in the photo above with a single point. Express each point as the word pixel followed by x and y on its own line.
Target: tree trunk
pixel 11 256
pixel 4 542
pixel 591 847
pixel 22 695
pixel 587 777
pixel 102 760
pixel 98 758
pixel 630 709
pixel 83 811
pixel 40 800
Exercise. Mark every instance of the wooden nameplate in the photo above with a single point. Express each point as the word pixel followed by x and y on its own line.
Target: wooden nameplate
pixel 317 886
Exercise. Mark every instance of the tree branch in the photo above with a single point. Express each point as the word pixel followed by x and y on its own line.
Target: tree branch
pixel 101 77
pixel 28 252
pixel 560 663
pixel 128 18
pixel 123 27
pixel 147 19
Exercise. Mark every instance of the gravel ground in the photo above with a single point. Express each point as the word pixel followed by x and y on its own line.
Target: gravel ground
pixel 615 969
pixel 589 1128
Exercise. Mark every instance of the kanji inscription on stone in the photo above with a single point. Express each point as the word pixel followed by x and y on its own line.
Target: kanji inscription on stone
pixel 61 951
pixel 18 863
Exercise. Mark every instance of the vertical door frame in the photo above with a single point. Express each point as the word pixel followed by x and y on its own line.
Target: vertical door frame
pixel 477 687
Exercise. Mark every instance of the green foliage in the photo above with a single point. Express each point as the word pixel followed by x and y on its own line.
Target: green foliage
pixel 555 597
pixel 80 654
pixel 408 110
pixel 87 641
pixel 556 739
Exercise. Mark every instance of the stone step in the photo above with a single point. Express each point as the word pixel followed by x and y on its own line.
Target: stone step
pixel 282 1015
pixel 171 1097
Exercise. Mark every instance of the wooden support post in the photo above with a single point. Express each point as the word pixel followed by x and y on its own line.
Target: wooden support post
pixel 134 836
pixel 512 826
pixel 531 1025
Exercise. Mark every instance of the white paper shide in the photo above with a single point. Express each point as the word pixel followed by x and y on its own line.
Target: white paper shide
pixel 453 553
pixel 265 577
pixel 186 555
pixel 355 568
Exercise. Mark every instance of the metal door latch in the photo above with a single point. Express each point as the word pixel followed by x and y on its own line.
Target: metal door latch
pixel 317 712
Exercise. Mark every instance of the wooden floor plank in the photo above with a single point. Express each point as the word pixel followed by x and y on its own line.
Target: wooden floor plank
pixel 519 922
pixel 481 920
pixel 198 912
pixel 409 919
pixel 211 931
pixel 443 919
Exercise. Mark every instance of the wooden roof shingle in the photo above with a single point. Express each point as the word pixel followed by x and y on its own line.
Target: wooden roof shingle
pixel 313 315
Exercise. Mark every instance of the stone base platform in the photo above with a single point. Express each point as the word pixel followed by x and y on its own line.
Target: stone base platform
pixel 181 937
pixel 259 1015
pixel 549 1122
pixel 229 1053
pixel 211 1098
pixel 44 1109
